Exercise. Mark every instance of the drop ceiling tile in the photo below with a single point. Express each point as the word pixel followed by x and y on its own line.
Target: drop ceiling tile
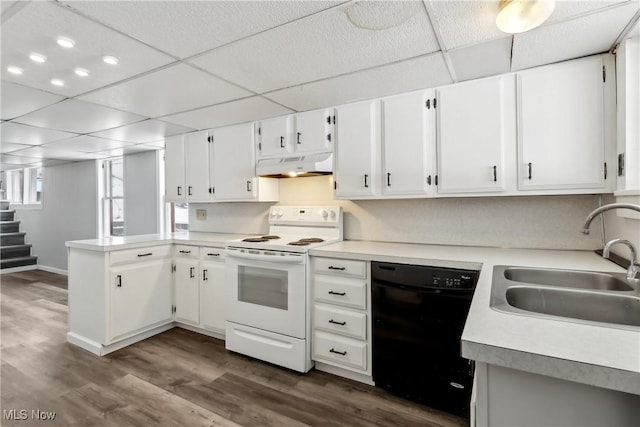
pixel 590 34
pixel 203 25
pixel 35 29
pixel 13 159
pixel 46 153
pixel 417 73
pixel 79 117
pixel 133 149
pixel 49 162
pixel 8 147
pixel 18 100
pixel 347 38
pixel 30 135
pixel 482 60
pixel 6 5
pixel 463 22
pixel 87 144
pixel 171 90
pixel 148 131
pixel 244 110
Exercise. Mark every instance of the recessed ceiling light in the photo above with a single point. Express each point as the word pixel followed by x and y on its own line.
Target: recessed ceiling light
pixel 57 82
pixel 14 70
pixel 66 42
pixel 36 57
pixel 111 60
pixel 81 72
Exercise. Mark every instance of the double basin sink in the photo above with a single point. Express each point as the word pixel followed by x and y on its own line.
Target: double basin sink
pixel 604 299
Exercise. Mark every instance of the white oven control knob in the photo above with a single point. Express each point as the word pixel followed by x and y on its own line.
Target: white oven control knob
pixel 332 214
pixel 273 213
pixel 280 213
pixel 324 213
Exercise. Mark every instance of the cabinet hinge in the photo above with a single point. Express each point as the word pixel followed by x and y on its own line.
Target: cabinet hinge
pixel 605 170
pixel 434 103
pixel 334 119
pixel 328 120
pixel 436 179
pixel 259 146
pixel 173 268
pixel 213 190
pixel 428 104
pixel 259 131
pixel 604 74
pixel 173 308
pixel 335 185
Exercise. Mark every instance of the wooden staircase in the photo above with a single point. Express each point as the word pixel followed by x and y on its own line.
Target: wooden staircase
pixel 14 252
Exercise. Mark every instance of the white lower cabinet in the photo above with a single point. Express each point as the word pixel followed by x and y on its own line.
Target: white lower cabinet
pixel 187 285
pixel 342 315
pixel 212 299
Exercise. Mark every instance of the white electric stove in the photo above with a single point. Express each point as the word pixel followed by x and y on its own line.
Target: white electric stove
pixel 267 285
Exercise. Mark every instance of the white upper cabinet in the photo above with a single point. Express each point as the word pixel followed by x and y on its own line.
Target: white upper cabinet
pixel 357 165
pixel 196 149
pixel 476 124
pixel 274 136
pixel 561 126
pixel 233 165
pixel 408 140
pixel 174 169
pixel 314 131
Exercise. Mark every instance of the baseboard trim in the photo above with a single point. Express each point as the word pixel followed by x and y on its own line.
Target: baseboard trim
pixel 19 269
pixel 53 270
pixel 101 350
pixel 213 334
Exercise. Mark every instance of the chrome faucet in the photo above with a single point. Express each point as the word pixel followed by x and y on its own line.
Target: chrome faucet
pixel 592 215
pixel 633 270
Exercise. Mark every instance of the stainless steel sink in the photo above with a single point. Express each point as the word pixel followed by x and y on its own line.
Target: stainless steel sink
pixel 604 299
pixel 567 278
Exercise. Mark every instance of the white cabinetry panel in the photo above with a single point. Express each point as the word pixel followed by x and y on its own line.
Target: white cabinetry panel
pixel 174 168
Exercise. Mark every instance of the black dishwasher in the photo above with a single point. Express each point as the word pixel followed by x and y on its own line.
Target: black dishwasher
pixel 418 316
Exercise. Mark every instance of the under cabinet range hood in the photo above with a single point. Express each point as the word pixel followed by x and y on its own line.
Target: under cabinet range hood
pixel 291 166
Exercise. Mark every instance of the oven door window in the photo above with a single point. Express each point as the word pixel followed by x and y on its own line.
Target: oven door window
pixel 263 286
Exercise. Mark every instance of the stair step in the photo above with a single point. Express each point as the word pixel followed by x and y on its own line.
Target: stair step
pixel 9 226
pixel 7 215
pixel 18 261
pixel 8 239
pixel 14 251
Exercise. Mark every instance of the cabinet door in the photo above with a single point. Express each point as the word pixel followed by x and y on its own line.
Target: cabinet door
pixel 233 166
pixel 408 140
pixel 274 136
pixel 212 296
pixel 561 126
pixel 314 131
pixel 357 167
pixel 140 297
pixel 197 166
pixel 187 292
pixel 472 130
pixel 174 173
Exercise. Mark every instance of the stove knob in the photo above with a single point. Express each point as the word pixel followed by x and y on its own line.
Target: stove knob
pixel 280 213
pixel 274 213
pixel 324 213
pixel 333 214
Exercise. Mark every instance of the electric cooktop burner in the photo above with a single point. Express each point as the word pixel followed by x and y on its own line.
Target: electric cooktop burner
pixel 306 241
pixel 260 239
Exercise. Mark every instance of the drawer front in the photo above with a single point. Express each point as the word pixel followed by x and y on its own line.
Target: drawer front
pixel 184 251
pixel 341 267
pixel 140 254
pixel 349 323
pixel 339 350
pixel 212 254
pixel 340 291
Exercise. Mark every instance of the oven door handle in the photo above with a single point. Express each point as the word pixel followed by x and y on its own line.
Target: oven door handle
pixel 287 259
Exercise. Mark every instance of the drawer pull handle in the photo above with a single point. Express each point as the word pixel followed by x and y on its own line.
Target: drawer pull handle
pixel 147 254
pixel 331 267
pixel 191 271
pixel 185 252
pixel 341 353
pixel 119 283
pixel 337 293
pixel 337 323
pixel 212 254
pixel 204 275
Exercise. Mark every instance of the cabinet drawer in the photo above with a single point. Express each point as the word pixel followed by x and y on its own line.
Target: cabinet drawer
pixel 340 350
pixel 349 323
pixel 340 291
pixel 140 254
pixel 212 254
pixel 341 267
pixel 184 251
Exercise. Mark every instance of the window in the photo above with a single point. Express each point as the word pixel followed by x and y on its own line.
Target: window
pixel 180 217
pixel 23 186
pixel 113 202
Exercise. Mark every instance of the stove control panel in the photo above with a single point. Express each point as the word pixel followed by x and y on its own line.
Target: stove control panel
pixel 311 215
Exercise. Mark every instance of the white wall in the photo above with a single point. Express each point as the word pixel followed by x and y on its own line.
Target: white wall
pixel 548 222
pixel 69 212
pixel 141 191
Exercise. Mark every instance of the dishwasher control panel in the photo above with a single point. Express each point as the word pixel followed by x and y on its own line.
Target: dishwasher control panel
pixel 454 279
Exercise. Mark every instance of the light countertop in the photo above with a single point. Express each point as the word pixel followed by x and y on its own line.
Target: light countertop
pixel 130 242
pixel 600 356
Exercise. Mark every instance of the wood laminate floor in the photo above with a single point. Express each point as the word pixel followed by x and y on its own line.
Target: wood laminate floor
pixel 177 378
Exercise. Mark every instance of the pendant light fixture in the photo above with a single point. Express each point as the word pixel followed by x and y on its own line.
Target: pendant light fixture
pixel 518 16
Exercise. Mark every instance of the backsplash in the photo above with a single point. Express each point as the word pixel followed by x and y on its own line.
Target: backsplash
pixel 545 222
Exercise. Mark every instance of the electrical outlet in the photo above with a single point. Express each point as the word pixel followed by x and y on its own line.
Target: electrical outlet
pixel 201 214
